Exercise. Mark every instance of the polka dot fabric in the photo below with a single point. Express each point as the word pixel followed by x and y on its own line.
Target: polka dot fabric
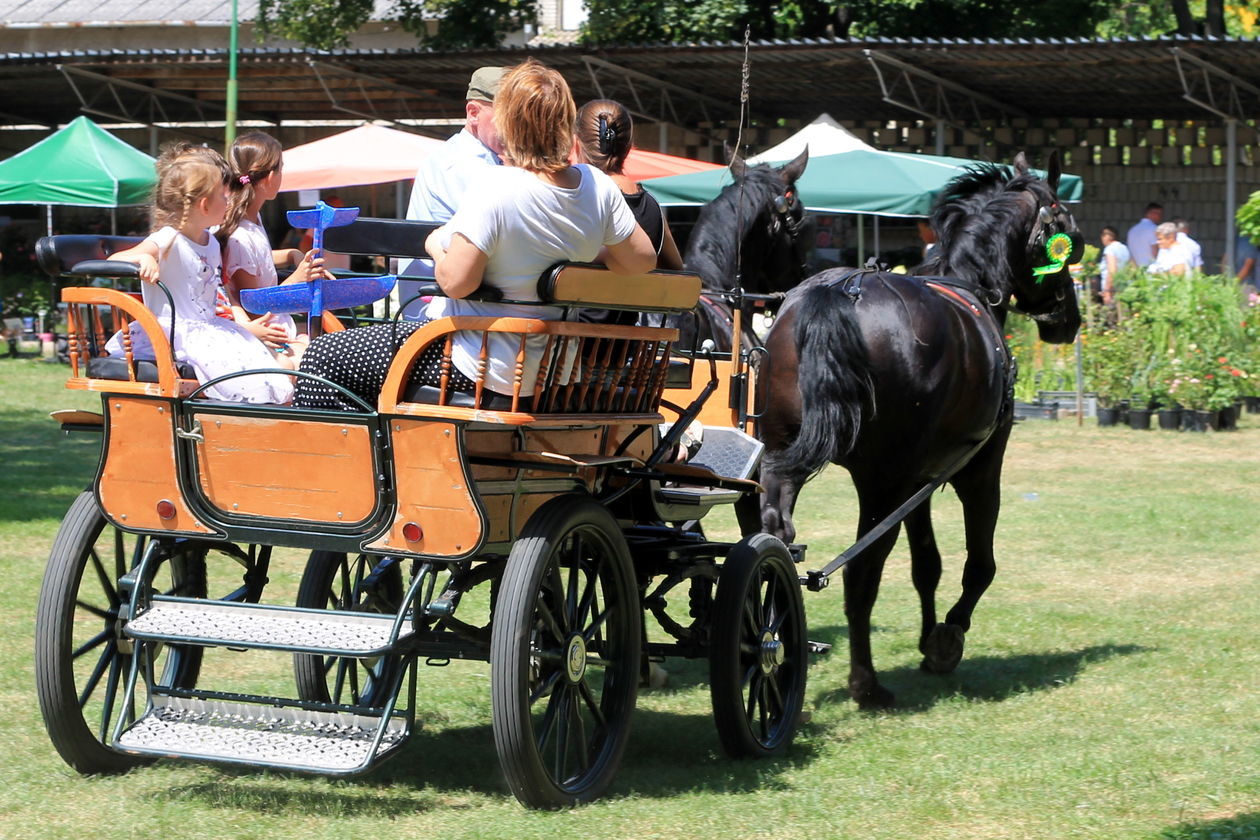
pixel 359 359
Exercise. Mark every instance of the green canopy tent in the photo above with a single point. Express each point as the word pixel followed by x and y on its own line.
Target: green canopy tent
pixel 82 165
pixel 860 181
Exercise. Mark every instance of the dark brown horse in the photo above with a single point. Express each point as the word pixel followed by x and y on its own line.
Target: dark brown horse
pixel 755 231
pixel 899 379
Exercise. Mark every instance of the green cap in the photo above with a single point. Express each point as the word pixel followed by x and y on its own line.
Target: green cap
pixel 484 83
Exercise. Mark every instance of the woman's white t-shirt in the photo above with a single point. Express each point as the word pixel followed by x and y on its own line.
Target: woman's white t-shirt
pixel 523 226
pixel 249 249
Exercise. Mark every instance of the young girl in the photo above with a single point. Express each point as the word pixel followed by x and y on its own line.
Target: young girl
pixel 191 197
pixel 249 261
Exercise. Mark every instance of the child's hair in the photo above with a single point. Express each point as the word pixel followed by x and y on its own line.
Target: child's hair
pixel 185 173
pixel 252 157
pixel 604 129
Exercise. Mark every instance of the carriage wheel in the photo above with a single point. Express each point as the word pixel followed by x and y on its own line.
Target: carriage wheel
pixel 759 654
pixel 369 583
pixel 81 663
pixel 564 655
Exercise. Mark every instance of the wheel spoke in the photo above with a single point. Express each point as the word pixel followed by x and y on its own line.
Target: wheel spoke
pixel 587 601
pixel 751 623
pixel 111 689
pixel 91 643
pixel 564 719
pixel 592 703
pixel 549 618
pixel 571 591
pixel 589 634
pixel 99 612
pixel 102 662
pixel 544 685
pixel 754 688
pixel 763 707
pixel 548 723
pixel 582 754
pixel 107 585
pixel 557 595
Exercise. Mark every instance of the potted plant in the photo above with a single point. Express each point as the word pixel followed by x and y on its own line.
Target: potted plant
pixel 1109 372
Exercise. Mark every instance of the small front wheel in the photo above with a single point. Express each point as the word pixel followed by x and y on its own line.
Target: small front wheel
pixel 564 655
pixel 759 652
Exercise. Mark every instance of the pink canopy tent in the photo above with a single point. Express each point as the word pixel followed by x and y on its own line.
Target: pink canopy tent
pixel 373 154
pixel 642 164
pixel 369 154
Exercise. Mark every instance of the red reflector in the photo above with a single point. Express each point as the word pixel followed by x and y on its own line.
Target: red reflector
pixel 166 509
pixel 412 532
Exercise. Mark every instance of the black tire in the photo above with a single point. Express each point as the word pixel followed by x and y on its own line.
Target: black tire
pixel 759 653
pixel 564 655
pixel 369 583
pixel 80 668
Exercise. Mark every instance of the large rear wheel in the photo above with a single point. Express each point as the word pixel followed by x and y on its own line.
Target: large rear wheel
pixel 81 658
pixel 365 583
pixel 759 653
pixel 564 655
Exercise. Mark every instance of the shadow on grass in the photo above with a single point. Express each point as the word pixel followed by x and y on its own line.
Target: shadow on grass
pixel 1239 827
pixel 668 755
pixel 989 678
pixel 44 469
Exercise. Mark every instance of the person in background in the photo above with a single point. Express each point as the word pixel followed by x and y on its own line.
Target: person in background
pixel 1115 256
pixel 1192 245
pixel 1141 237
pixel 1247 262
pixel 927 236
pixel 443 178
pixel 1172 257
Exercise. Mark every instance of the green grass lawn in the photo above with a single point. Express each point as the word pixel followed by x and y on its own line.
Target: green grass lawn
pixel 1110 689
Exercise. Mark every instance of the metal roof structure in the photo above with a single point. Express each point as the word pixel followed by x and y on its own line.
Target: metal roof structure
pixel 691 85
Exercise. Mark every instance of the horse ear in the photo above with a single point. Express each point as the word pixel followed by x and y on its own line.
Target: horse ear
pixel 793 169
pixel 738 166
pixel 1021 164
pixel 1053 171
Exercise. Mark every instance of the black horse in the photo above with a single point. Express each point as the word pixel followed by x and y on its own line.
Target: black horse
pixel 754 230
pixel 899 379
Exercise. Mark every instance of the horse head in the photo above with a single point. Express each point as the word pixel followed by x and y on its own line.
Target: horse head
pixel 756 228
pixel 1006 231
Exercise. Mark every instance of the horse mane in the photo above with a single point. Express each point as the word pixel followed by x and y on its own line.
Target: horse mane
pixel 973 220
pixel 712 252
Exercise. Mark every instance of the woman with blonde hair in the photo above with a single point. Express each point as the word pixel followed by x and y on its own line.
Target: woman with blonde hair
pixel 514 224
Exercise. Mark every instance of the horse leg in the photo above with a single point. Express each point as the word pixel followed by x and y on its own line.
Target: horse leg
pixel 978 489
pixel 861 587
pixel 925 571
pixel 778 502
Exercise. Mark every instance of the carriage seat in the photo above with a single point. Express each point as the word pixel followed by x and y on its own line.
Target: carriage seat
pixel 62 254
pixel 113 367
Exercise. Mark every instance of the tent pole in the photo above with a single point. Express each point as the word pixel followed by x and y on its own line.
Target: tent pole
pixel 861 237
pixel 48 210
pixel 1231 192
pixel 113 221
pixel 229 124
pixel 875 249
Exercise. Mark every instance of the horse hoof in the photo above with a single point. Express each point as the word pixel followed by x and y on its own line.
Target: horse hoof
pixel 874 699
pixel 943 649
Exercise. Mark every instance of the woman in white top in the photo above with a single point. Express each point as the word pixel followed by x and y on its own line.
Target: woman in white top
pixel 190 198
pixel 517 222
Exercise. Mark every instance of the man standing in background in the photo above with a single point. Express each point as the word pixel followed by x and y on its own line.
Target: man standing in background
pixel 1141 237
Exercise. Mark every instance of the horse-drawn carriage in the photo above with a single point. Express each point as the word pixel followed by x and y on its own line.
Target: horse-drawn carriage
pixel 555 509
pixel 557 506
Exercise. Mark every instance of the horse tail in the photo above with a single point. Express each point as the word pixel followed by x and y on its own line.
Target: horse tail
pixel 833 377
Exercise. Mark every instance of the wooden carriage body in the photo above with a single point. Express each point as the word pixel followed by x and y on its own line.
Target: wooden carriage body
pixel 561 486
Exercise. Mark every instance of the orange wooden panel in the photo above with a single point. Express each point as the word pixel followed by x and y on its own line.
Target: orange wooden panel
pixel 433 491
pixel 138 469
pixel 717 410
pixel 287 469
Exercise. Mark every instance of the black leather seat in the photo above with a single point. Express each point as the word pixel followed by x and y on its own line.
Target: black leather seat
pixel 112 367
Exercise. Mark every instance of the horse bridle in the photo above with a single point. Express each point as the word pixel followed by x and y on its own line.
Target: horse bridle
pixel 782 217
pixel 1060 248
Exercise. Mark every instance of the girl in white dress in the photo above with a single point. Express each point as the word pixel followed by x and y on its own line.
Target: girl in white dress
pixel 249 261
pixel 192 196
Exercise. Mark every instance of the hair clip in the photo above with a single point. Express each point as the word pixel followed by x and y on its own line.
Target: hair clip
pixel 244 179
pixel 607 135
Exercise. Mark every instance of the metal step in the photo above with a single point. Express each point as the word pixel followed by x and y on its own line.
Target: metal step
pixel 230 624
pixel 283 738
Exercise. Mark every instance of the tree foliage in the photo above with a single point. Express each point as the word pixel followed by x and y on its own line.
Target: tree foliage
pixel 327 24
pixel 484 23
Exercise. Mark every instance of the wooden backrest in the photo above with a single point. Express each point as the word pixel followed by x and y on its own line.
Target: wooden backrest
pixel 594 286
